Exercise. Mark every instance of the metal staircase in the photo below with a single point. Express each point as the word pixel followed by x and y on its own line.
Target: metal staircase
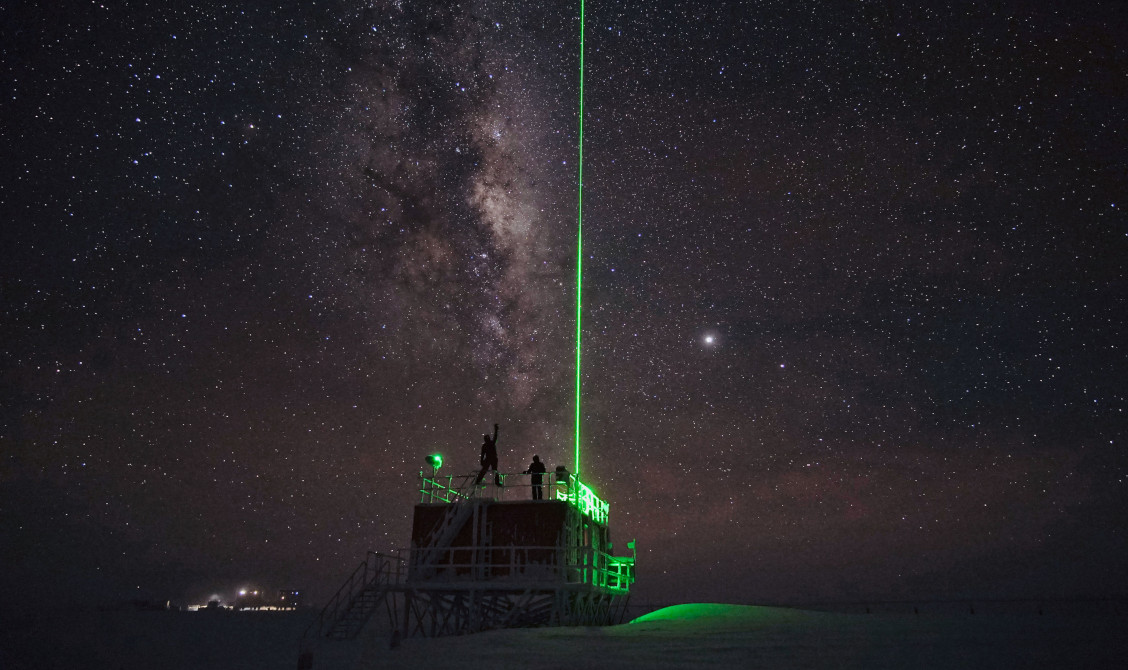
pixel 454 520
pixel 380 576
pixel 361 595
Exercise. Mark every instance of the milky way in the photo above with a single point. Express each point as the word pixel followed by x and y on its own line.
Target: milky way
pixel 456 196
pixel 854 289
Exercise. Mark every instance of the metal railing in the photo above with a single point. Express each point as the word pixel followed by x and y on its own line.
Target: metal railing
pixel 377 570
pixel 436 488
pixel 620 572
pixel 550 565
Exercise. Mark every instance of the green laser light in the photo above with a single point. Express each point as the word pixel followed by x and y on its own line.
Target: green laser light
pixel 435 461
pixel 579 241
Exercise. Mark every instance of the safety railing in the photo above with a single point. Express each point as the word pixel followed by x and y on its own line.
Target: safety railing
pixel 377 570
pixel 436 488
pixel 619 574
pixel 550 565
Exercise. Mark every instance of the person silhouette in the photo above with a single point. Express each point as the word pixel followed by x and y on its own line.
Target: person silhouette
pixel 562 480
pixel 536 469
pixel 488 459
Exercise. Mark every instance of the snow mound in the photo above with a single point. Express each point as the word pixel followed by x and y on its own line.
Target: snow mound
pixel 711 614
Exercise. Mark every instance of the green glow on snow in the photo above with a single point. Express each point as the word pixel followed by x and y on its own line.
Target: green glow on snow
pixel 714 613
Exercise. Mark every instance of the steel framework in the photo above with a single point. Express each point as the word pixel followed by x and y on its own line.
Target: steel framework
pixel 478 563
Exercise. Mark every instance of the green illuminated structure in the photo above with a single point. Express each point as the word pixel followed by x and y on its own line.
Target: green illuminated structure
pixel 486 557
pixel 535 552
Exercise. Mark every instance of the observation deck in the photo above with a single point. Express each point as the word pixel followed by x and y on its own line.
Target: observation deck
pixel 484 556
pixel 467 533
pixel 558 485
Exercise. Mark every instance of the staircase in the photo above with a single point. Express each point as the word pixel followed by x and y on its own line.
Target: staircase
pixel 453 521
pixel 357 600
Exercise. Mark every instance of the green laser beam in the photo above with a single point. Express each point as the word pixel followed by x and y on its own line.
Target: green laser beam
pixel 579 240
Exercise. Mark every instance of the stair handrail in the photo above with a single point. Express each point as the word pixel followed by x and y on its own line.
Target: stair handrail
pixel 342 600
pixel 443 534
pixel 343 595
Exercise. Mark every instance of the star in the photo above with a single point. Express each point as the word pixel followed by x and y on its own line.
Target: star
pixel 827 205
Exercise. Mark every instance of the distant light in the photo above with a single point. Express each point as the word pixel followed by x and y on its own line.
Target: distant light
pixel 435 461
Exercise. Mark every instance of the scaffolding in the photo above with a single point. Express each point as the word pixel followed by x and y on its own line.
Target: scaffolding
pixel 484 557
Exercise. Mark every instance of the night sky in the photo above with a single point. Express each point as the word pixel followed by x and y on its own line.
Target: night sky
pixel 855 289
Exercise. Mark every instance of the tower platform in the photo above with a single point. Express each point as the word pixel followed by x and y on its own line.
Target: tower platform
pixel 484 557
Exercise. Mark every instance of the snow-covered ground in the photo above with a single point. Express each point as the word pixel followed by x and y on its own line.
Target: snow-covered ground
pixel 683 636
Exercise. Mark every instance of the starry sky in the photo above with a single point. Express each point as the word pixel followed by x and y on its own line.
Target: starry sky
pixel 855 289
